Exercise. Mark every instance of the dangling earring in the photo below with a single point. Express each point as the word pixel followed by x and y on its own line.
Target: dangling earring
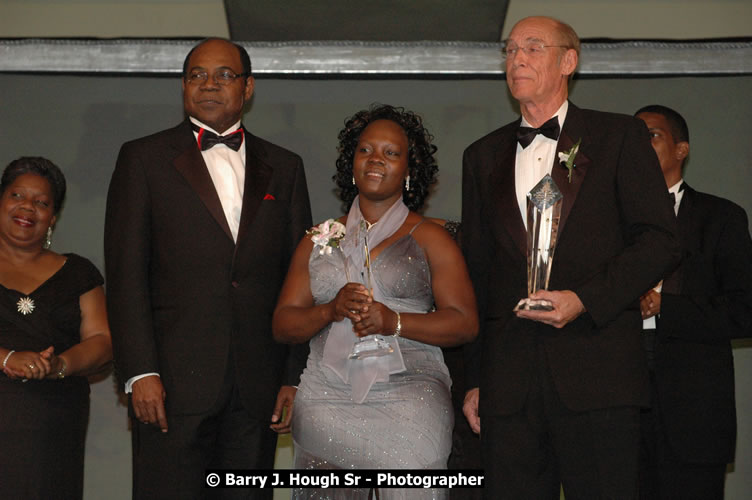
pixel 353 180
pixel 407 183
pixel 48 238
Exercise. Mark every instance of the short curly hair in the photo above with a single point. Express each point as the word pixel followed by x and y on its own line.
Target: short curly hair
pixel 422 166
pixel 41 167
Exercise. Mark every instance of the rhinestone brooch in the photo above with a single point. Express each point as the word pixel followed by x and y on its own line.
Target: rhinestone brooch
pixel 25 305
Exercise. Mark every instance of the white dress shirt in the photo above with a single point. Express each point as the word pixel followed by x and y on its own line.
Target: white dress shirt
pixel 678 192
pixel 227 170
pixel 535 161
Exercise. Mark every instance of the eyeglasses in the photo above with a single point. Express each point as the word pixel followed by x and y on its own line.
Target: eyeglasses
pixel 222 77
pixel 534 49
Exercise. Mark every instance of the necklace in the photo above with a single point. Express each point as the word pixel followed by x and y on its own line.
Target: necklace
pixel 369 225
pixel 25 305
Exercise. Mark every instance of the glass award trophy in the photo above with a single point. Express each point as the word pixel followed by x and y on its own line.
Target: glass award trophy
pixel 370 345
pixel 543 213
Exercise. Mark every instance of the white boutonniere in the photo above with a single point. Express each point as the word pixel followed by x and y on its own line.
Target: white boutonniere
pixel 327 235
pixel 567 158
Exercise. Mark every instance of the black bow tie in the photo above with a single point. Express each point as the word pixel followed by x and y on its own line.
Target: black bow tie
pixel 208 139
pixel 549 129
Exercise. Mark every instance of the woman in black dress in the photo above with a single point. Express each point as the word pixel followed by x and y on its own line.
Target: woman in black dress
pixel 53 332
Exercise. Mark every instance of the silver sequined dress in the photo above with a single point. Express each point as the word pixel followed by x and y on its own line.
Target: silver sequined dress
pixel 405 423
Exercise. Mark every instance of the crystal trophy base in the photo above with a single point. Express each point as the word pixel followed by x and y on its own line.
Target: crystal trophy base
pixel 370 347
pixel 534 305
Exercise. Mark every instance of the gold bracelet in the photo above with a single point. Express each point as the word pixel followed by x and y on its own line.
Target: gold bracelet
pixel 61 373
pixel 398 330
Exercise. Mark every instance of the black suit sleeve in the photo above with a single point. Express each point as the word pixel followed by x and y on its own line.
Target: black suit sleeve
pixel 723 308
pixel 648 228
pixel 300 221
pixel 475 251
pixel 127 248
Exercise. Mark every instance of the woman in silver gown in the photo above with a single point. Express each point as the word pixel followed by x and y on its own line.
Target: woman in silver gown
pixel 382 277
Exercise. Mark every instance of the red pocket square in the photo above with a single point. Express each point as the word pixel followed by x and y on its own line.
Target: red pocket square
pixel 268 196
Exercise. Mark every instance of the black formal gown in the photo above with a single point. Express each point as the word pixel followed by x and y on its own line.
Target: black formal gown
pixel 43 422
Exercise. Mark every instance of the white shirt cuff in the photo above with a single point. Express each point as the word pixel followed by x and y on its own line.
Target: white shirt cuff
pixel 129 383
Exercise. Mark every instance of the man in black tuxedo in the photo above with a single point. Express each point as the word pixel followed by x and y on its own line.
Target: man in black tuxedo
pixel 560 390
pixel 201 222
pixel 689 433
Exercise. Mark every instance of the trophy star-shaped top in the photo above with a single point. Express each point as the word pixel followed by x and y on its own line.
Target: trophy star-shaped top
pixel 545 193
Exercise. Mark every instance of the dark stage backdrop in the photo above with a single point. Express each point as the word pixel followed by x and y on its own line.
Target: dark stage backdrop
pixel 80 122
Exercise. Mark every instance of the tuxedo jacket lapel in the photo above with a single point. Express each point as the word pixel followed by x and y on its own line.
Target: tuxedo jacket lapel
pixel 503 180
pixel 574 130
pixel 673 282
pixel 191 166
pixel 684 217
pixel 257 176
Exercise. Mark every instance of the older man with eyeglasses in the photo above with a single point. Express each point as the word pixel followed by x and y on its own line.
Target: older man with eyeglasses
pixel 202 220
pixel 558 390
